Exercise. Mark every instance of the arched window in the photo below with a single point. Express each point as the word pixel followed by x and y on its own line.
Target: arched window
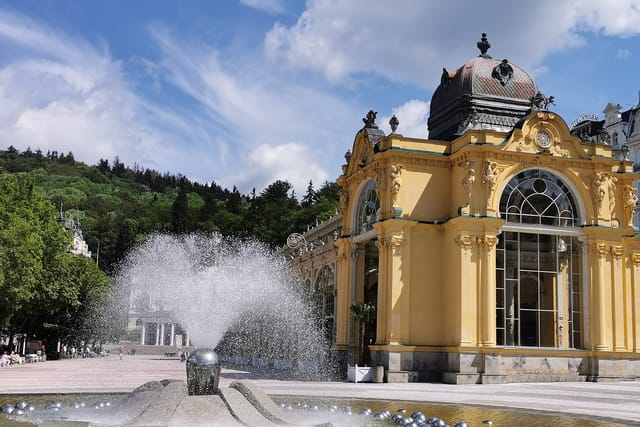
pixel 614 139
pixel 325 288
pixel 538 197
pixel 539 295
pixel 367 209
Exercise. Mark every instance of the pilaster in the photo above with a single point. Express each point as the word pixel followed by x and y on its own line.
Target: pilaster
pixel 394 252
pixel 343 298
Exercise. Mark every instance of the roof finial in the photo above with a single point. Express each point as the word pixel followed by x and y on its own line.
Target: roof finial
pixel 484 46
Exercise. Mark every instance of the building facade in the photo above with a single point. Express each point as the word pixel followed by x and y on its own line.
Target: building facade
pixel 501 249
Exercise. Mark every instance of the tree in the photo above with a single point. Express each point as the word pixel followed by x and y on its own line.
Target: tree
pixel 180 213
pixel 272 215
pixel 362 312
pixel 42 285
pixel 32 249
pixel 310 197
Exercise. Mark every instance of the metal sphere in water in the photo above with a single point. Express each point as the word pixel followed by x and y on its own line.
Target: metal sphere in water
pixel 53 406
pixel 461 424
pixel 21 405
pixel 7 408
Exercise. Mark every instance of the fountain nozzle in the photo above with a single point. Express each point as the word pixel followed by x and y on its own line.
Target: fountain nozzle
pixel 203 372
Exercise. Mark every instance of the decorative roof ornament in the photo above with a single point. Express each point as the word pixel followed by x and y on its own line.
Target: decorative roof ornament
pixel 503 72
pixel 394 122
pixel 484 46
pixel 370 120
pixel 541 102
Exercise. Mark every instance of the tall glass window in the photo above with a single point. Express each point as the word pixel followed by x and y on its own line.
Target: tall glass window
pixel 325 290
pixel 539 261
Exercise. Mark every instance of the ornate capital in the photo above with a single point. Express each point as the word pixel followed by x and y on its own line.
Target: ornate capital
pixel 489 242
pixel 465 242
pixel 392 242
pixel 600 249
pixel 635 258
pixel 617 252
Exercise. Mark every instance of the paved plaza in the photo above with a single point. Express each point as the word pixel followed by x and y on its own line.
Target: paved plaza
pixel 619 400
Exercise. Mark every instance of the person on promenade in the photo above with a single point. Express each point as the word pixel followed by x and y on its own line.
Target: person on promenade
pixel 6 360
pixel 122 351
pixel 15 358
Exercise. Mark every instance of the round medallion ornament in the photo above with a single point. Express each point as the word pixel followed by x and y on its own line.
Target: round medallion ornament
pixel 543 139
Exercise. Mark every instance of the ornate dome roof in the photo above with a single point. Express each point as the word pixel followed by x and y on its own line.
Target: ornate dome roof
pixel 482 94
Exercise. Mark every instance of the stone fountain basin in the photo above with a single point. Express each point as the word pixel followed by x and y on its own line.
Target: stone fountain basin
pixel 167 403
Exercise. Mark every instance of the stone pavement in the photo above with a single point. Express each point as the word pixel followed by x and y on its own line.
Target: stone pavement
pixel 619 400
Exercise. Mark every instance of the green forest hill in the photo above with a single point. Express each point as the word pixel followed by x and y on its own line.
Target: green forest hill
pixel 50 295
pixel 118 206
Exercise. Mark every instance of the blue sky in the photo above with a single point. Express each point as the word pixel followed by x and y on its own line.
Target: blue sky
pixel 246 92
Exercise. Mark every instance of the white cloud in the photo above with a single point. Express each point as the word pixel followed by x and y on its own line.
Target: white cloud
pixel 345 39
pixel 65 95
pixel 623 53
pixel 412 116
pixel 270 6
pixel 261 113
pixel 293 162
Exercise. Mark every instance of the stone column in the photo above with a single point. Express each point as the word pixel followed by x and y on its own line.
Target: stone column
pixel 173 332
pixel 162 334
pixel 157 333
pixel 143 333
pixel 343 297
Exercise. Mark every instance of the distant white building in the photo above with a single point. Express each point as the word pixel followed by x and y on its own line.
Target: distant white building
pixel 78 245
pixel 619 129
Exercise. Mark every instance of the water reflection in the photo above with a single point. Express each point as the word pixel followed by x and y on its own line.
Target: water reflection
pixel 472 415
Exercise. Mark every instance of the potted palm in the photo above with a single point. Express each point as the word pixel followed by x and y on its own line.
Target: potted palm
pixel 362 313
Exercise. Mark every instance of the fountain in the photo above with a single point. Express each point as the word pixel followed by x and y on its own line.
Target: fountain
pixel 239 297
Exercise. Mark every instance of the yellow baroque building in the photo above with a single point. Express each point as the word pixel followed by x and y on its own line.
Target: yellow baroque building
pixel 501 249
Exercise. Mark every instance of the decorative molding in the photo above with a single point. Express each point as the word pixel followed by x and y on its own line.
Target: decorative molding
pixel 611 189
pixel 489 242
pixel 601 250
pixel 465 242
pixel 490 174
pixel 396 181
pixel 468 179
pixel 393 243
pixel 599 190
pixel 503 72
pixel 379 178
pixel 635 258
pixel 617 252
pixel 630 199
pixel 344 202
